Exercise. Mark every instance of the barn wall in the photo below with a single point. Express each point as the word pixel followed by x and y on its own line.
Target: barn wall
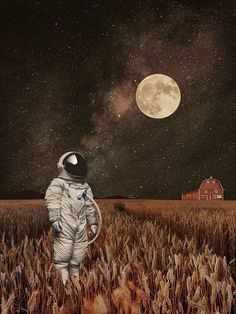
pixel 190 195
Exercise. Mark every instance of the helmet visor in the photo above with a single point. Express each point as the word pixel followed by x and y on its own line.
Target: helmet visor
pixel 76 165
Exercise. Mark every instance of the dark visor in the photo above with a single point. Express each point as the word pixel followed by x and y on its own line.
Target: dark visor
pixel 76 165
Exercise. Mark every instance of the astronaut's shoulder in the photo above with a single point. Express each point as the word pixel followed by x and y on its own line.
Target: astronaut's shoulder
pixel 57 181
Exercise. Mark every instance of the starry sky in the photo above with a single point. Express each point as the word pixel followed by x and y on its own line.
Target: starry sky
pixel 68 75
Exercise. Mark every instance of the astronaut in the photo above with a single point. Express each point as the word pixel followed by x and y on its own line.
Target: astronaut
pixel 69 213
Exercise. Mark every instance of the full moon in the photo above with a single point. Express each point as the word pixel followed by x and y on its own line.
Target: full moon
pixel 158 96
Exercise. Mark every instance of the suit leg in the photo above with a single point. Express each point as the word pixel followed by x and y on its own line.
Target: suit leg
pixel 62 252
pixel 80 249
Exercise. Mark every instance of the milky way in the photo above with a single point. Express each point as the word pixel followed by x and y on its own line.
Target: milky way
pixel 68 80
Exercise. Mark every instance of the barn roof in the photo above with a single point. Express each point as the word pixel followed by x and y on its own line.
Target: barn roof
pixel 211 178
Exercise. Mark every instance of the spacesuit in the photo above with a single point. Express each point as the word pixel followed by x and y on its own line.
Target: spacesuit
pixel 69 212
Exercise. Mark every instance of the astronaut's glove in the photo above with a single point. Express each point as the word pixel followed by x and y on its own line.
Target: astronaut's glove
pixel 57 226
pixel 94 228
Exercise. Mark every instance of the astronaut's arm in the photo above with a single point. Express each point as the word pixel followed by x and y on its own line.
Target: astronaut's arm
pixel 53 200
pixel 90 209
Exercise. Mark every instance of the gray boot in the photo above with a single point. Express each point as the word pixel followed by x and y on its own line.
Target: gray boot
pixel 64 275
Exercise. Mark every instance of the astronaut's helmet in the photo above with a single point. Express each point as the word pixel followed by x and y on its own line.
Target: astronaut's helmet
pixel 75 164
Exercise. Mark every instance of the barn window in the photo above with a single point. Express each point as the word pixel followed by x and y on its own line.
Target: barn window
pixel 216 191
pixel 188 196
pixel 208 181
pixel 213 181
pixel 206 191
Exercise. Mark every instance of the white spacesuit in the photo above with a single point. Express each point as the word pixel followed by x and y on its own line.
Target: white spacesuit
pixel 69 212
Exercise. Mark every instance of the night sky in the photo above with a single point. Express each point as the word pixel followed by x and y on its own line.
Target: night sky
pixel 68 75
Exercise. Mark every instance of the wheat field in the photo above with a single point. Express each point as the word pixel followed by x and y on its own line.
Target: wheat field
pixel 151 257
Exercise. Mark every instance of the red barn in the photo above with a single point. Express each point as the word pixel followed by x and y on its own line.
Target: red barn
pixel 210 189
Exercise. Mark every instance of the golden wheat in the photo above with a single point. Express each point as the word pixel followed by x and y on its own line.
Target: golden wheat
pixel 170 260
